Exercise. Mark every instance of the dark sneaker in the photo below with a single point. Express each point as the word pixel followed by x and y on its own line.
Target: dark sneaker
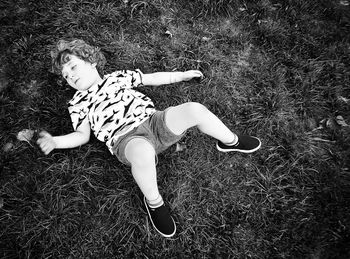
pixel 161 220
pixel 245 144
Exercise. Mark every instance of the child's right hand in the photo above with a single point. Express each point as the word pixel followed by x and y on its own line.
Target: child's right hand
pixel 46 142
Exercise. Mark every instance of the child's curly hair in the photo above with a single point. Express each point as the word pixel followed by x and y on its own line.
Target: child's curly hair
pixel 79 48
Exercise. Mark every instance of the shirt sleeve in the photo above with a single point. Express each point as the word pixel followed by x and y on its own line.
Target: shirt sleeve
pixel 78 111
pixel 129 78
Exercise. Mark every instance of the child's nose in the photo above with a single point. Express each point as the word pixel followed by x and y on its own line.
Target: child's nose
pixel 71 75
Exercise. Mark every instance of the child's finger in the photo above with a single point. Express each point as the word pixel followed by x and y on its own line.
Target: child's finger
pixel 41 140
pixel 43 147
pixel 46 150
pixel 198 73
pixel 44 134
pixel 197 76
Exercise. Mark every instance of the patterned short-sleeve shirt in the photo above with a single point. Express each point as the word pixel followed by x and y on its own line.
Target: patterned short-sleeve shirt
pixel 112 107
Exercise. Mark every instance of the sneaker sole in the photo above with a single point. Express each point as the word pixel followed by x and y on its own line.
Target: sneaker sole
pixel 238 150
pixel 149 216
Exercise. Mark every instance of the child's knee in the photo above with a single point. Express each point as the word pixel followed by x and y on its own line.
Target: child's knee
pixel 139 152
pixel 196 110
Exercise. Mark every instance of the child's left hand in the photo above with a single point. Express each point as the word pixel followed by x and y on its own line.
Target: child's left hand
pixel 190 74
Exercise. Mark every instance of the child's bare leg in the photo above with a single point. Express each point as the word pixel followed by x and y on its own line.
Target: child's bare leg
pixel 184 116
pixel 141 154
pixel 187 115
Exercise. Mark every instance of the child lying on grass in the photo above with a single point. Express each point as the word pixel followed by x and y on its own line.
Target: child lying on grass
pixel 127 121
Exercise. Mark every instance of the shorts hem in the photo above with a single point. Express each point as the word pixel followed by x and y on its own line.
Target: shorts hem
pixel 166 126
pixel 125 144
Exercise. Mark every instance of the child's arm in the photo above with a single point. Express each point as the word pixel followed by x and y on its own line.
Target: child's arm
pixel 77 138
pixel 164 78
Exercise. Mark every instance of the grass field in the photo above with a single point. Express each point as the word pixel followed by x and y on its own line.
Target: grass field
pixel 277 69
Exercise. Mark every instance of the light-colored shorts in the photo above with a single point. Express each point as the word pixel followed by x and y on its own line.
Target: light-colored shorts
pixel 154 130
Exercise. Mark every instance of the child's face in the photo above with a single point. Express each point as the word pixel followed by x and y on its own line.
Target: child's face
pixel 79 74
